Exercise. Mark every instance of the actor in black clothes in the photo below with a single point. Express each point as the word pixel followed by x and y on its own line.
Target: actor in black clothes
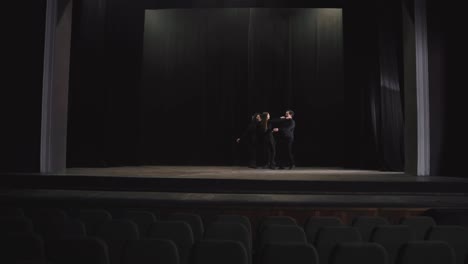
pixel 285 128
pixel 251 137
pixel 269 144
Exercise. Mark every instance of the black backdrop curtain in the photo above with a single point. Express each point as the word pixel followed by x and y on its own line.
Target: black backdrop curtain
pixel 112 110
pixel 206 70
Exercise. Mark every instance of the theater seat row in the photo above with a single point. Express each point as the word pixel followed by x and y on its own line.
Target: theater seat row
pixel 326 238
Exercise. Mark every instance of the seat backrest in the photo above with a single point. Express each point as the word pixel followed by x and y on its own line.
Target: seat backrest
pixel 276 220
pixel 359 252
pixel 282 234
pixel 74 228
pixel 392 238
pixel 116 233
pixel 89 250
pixel 193 220
pixel 314 223
pixel 329 237
pixel 21 247
pixel 16 225
pixel 455 236
pixel 426 252
pixel 11 212
pixel 177 231
pixel 419 226
pixel 50 223
pixel 366 224
pixel 230 231
pixel 220 251
pixel 93 218
pixel 287 253
pixel 150 251
pixel 143 219
pixel 235 219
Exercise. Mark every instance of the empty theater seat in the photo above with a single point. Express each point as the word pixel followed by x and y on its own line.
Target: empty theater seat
pixel 143 219
pixel 276 220
pixel 16 225
pixel 193 220
pixel 150 251
pixel 21 248
pixel 230 232
pixel 177 231
pixel 426 252
pixel 366 224
pixel 74 228
pixel 359 252
pixel 116 233
pixel 392 238
pixel 50 223
pixel 87 250
pixel 455 236
pixel 231 218
pixel 11 212
pixel 220 251
pixel 93 218
pixel 329 237
pixel 289 253
pixel 419 226
pixel 313 224
pixel 282 234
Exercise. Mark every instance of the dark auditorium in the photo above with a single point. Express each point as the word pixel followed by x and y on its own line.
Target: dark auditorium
pixel 234 132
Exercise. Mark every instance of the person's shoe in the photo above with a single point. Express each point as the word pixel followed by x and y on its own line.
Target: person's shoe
pixel 280 168
pixel 272 167
pixel 292 167
pixel 252 167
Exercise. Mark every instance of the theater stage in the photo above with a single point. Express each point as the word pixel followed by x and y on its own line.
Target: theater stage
pixel 237 185
pixel 239 173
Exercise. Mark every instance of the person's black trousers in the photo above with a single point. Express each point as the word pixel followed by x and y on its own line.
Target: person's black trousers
pixel 252 152
pixel 270 152
pixel 286 157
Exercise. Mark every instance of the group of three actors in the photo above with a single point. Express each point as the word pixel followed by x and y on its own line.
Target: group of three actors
pixel 263 133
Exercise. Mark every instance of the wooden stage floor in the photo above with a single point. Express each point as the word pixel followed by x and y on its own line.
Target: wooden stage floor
pixel 243 173
pixel 239 185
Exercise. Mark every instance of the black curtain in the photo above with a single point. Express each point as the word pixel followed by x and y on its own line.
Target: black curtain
pixel 89 92
pixel 361 63
pixel 447 79
pixel 386 100
pixel 114 120
pixel 21 99
pixel 373 81
pixel 206 70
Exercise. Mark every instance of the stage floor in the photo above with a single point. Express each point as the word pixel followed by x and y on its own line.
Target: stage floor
pixel 243 173
pixel 240 185
pixel 219 179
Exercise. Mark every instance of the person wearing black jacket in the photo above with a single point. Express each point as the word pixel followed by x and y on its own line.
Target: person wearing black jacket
pixel 269 144
pixel 251 138
pixel 285 128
